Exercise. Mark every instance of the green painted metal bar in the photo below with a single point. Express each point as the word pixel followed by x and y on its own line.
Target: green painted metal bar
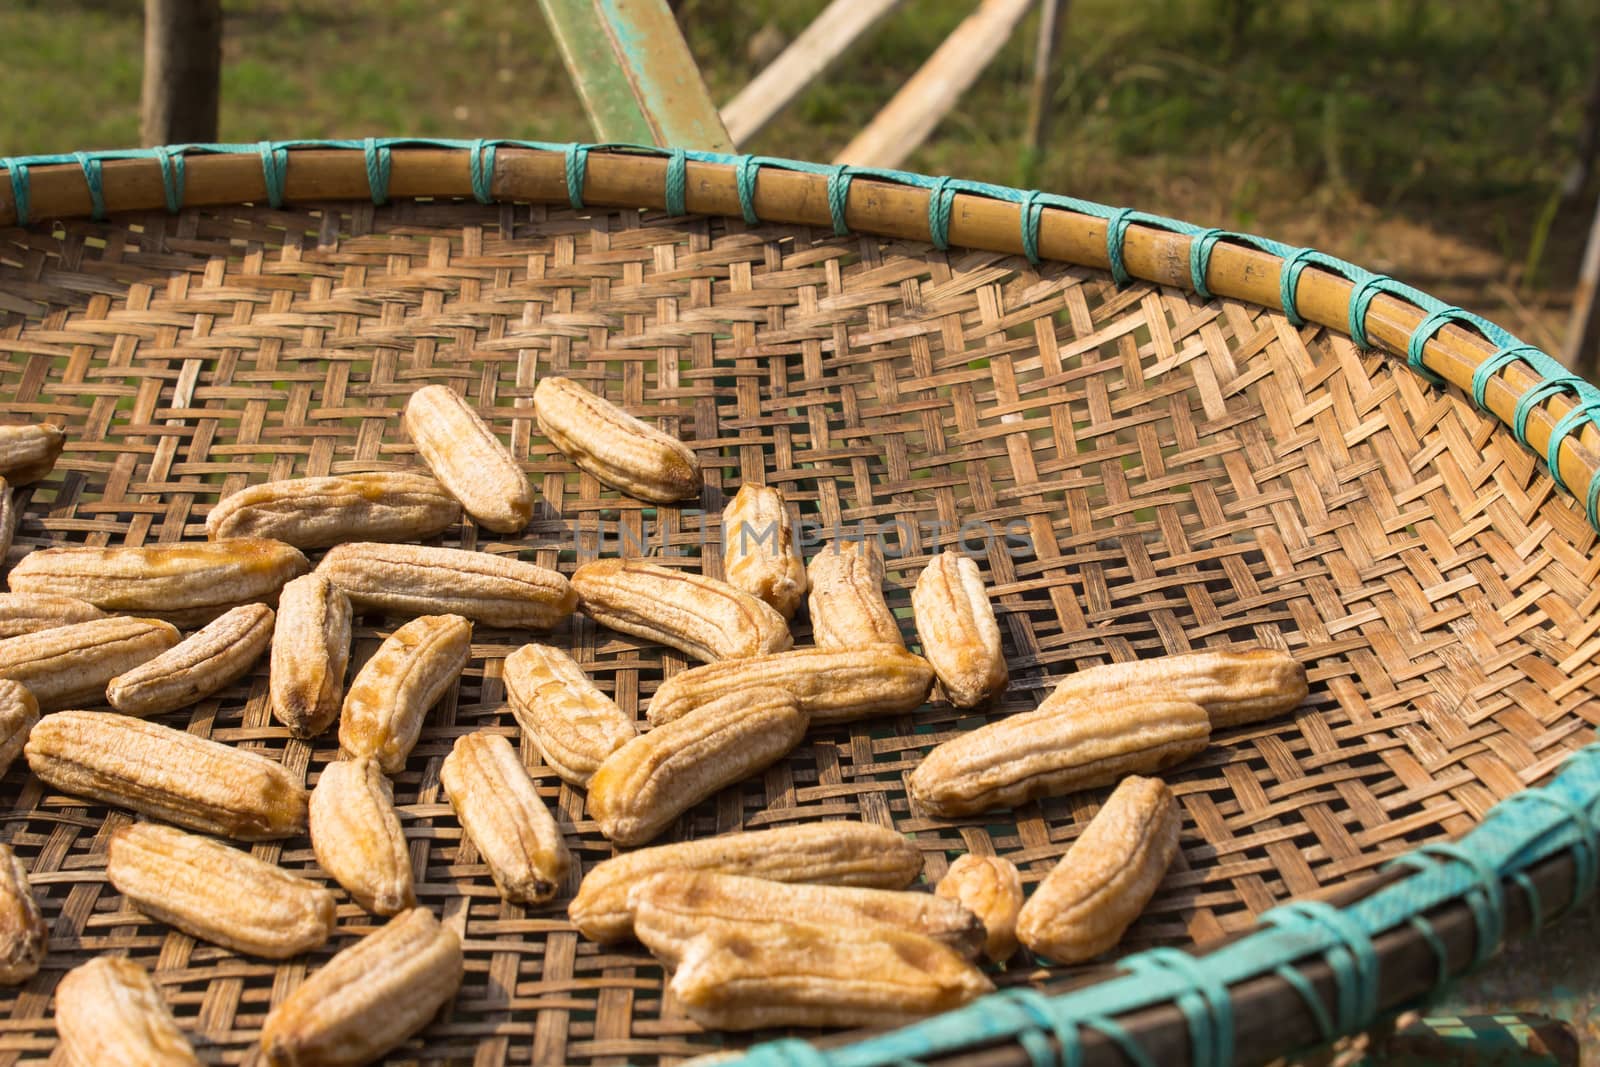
pixel 633 70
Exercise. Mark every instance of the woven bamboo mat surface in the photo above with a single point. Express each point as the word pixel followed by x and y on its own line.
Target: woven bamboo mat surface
pixel 1162 474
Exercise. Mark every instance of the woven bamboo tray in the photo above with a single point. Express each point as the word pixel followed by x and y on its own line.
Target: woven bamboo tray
pixel 1164 470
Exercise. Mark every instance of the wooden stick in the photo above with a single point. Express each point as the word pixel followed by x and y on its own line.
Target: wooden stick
pixel 1052 17
pixel 182 71
pixel 1583 328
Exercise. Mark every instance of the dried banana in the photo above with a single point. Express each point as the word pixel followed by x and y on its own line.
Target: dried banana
pixel 27 613
pixel 197 666
pixel 467 458
pixel 8 520
pixel 990 888
pixel 648 782
pixel 614 446
pixel 72 664
pixel 700 616
pixel 500 810
pixel 322 512
pixel 1107 877
pixel 957 628
pixel 356 835
pixel 24 937
pixel 185 584
pixel 759 553
pixel 758 976
pixel 28 453
pixel 109 1011
pixel 1042 754
pixel 414 580
pixel 828 853
pixel 573 724
pixel 1234 687
pixel 670 909
pixel 829 684
pixel 846 605
pixel 19 711
pixel 218 894
pixel 391 695
pixel 167 774
pixel 369 998
pixel 310 650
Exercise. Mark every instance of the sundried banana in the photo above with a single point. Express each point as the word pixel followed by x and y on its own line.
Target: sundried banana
pixel 573 724
pixel 185 584
pixel 356 835
pixel 1043 754
pixel 218 894
pixel 828 853
pixel 391 695
pixel 1107 877
pixel 109 1011
pixel 990 888
pixel 846 605
pixel 648 782
pixel 759 554
pixel 467 458
pixel 673 907
pixel 1234 687
pixel 167 774
pixel 415 580
pixel 72 664
pixel 321 512
pixel 197 666
pixel 612 445
pixel 957 628
pixel 369 998
pixel 8 519
pixel 19 711
pixel 500 810
pixel 310 651
pixel 700 616
pixel 829 684
pixel 27 613
pixel 752 977
pixel 23 933
pixel 28 453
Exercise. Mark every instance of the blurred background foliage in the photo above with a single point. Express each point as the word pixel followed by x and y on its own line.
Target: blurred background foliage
pixel 1429 139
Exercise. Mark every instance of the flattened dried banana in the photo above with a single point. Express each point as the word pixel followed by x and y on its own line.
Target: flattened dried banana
pixel 829 684
pixel 957 628
pixel 384 709
pixel 310 651
pixel 574 725
pixel 759 554
pixel 197 666
pixel 72 664
pixel 413 580
pixel 467 458
pixel 500 810
pixel 847 607
pixel 19 711
pixel 27 613
pixel 322 512
pixel 991 888
pixel 356 835
pixel 109 1011
pixel 24 937
pixel 1234 687
pixel 28 453
pixel 699 616
pixel 614 446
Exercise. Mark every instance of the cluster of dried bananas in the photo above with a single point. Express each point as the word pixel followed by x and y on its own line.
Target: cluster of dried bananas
pixel 808 925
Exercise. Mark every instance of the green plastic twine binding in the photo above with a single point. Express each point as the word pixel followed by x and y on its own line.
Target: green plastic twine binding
pixel 1030 211
pixel 1200 247
pixel 91 178
pixel 274 164
pixel 1425 332
pixel 745 173
pixel 677 182
pixel 1116 234
pixel 1206 1005
pixel 482 170
pixel 1587 410
pixel 1036 1006
pixel 576 165
pixel 1536 396
pixel 1485 898
pixel 940 200
pixel 378 165
pixel 1502 358
pixel 839 179
pixel 19 190
pixel 1361 299
pixel 1289 283
pixel 1430 936
pixel 1585 848
pixel 1353 960
pixel 172 176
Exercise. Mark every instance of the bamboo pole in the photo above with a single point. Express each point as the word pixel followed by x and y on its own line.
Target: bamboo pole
pixel 182 71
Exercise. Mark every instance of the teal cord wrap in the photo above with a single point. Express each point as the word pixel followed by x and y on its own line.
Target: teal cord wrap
pixel 1587 410
pixel 677 182
pixel 1029 213
pixel 19 189
pixel 1533 398
pixel 1039 1010
pixel 1425 332
pixel 91 178
pixel 482 171
pixel 274 164
pixel 1354 961
pixel 745 173
pixel 1591 500
pixel 1535 903
pixel 1361 299
pixel 1206 1005
pixel 1502 358
pixel 940 200
pixel 1200 247
pixel 576 159
pixel 1484 895
pixel 1289 283
pixel 1431 937
pixel 172 176
pixel 839 179
pixel 378 165
pixel 1116 234
pixel 1585 847
pixel 1308 996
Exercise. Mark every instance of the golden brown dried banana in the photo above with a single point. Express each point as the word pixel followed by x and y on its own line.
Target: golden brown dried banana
pixel 27 613
pixel 847 607
pixel 829 684
pixel 957 628
pixel 1234 687
pixel 167 774
pixel 28 453
pixel 356 835
pixel 310 651
pixel 197 666
pixel 109 1011
pixel 573 724
pixel 218 894
pixel 1107 877
pixel 1045 754
pixel 700 616
pixel 72 664
pixel 322 512
pixel 991 888
pixel 759 554
pixel 18 714
pixel 415 580
pixel 500 810
pixel 829 853
pixel 24 937
pixel 648 782
pixel 185 584
pixel 369 998
pixel 614 446
pixel 464 454
pixel 391 695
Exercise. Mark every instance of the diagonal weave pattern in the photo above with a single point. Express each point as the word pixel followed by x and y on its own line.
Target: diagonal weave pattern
pixel 1137 471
